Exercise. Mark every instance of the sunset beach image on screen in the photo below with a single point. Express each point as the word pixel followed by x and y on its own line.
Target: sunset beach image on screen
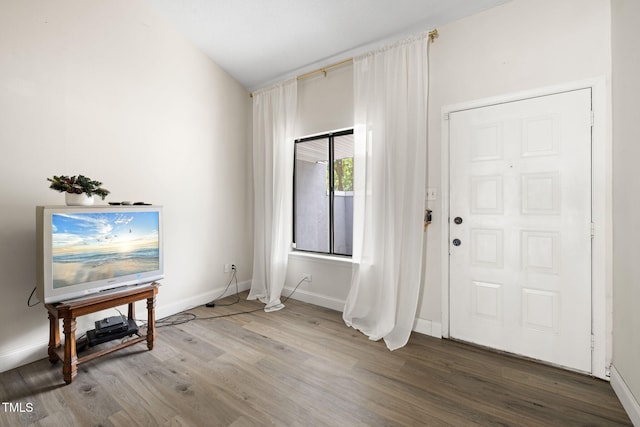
pixel 95 246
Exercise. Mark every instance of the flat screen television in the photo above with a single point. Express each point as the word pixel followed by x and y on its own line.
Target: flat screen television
pixel 86 250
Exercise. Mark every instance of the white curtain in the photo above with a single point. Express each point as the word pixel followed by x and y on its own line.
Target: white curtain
pixel 274 111
pixel 389 196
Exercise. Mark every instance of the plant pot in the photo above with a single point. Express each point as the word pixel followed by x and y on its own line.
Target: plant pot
pixel 73 199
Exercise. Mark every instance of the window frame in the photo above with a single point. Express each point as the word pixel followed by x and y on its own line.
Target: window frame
pixel 330 136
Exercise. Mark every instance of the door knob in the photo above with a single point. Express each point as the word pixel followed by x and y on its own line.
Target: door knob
pixel 457 220
pixel 456 242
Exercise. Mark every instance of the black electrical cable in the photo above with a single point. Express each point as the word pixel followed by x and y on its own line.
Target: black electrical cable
pixel 237 300
pixel 166 321
pixel 233 277
pixel 31 296
pixel 192 316
pixel 186 316
pixel 224 315
pixel 294 289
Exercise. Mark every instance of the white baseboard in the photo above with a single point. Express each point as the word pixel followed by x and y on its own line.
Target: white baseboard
pixel 428 327
pixel 24 355
pixel 422 326
pixel 315 299
pixel 165 310
pixel 629 402
pixel 34 352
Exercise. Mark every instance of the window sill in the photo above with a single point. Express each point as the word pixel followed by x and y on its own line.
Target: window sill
pixel 330 259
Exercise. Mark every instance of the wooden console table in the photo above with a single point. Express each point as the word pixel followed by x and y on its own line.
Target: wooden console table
pixel 68 311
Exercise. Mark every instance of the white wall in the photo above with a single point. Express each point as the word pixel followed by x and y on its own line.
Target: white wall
pixel 108 89
pixel 626 196
pixel 522 45
pixel 324 104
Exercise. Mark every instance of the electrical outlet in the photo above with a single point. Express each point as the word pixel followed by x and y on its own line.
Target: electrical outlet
pixel 307 277
pixel 233 267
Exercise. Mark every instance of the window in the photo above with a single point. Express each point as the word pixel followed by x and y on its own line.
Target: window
pixel 323 193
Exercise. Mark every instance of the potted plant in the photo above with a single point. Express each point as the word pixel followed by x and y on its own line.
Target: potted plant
pixel 79 189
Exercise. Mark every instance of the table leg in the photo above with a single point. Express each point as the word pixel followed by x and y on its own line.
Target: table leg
pixel 132 311
pixel 151 322
pixel 70 365
pixel 54 338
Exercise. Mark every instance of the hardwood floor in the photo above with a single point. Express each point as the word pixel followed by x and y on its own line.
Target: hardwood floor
pixel 301 366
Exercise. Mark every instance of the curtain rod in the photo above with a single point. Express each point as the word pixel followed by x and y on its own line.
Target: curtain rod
pixel 324 70
pixel 432 36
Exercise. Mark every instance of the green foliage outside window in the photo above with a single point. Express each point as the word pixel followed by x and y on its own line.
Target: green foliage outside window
pixel 343 174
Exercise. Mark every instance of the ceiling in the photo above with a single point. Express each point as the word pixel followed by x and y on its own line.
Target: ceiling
pixel 261 41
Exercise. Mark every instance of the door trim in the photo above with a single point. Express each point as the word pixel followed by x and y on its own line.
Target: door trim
pixel 601 210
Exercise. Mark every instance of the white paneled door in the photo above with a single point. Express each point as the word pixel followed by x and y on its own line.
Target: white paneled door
pixel 520 227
